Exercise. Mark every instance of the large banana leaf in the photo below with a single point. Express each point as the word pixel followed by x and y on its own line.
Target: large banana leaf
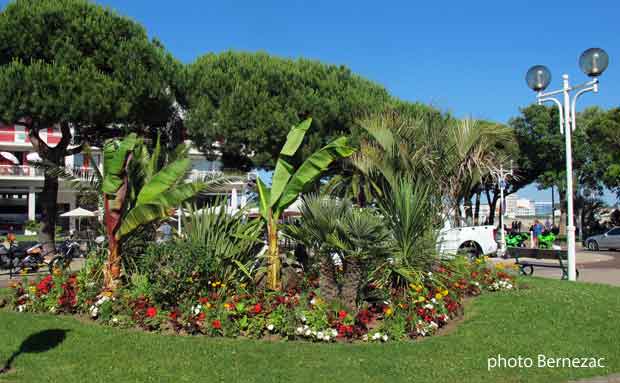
pixel 163 180
pixel 284 170
pixel 263 198
pixel 114 157
pixel 311 169
pixel 173 197
pixel 141 215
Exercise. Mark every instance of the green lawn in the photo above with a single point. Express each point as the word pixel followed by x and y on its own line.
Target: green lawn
pixel 551 317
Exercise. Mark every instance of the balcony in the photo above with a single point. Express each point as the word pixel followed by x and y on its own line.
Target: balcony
pixel 19 171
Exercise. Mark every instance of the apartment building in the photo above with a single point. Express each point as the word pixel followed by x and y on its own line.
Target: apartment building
pixel 21 184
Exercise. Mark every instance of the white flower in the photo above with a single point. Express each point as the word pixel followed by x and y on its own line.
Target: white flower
pixel 53 309
pixel 433 324
pixel 313 333
pixel 94 311
pixel 434 301
pixel 303 319
pixel 430 275
pixel 21 308
pixel 313 301
pixel 319 335
pixel 308 332
pixel 326 338
pixel 299 330
pixel 115 320
pixel 384 338
pixel 270 327
pixel 334 332
pixel 428 306
pixel 376 336
pixel 365 337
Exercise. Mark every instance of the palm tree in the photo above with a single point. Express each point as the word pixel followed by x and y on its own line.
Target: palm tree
pixel 340 236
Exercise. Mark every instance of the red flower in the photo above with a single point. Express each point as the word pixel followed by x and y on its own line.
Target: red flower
pixel 420 311
pixel 342 314
pixel 151 312
pixel 173 315
pixel 216 324
pixel 257 308
pixel 203 300
pixel 201 316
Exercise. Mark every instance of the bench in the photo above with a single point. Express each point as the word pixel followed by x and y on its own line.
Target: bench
pixel 526 267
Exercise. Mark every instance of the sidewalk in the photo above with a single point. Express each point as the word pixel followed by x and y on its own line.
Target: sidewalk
pixel 594 267
pixel 4 274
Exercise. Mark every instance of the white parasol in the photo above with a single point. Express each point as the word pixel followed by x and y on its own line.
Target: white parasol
pixel 9 156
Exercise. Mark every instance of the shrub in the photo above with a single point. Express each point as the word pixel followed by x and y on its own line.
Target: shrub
pixel 177 270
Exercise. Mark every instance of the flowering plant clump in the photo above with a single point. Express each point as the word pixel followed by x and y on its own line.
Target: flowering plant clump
pixel 419 309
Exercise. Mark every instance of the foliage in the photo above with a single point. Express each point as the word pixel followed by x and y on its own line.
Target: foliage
pixel 289 182
pixel 85 69
pixel 139 188
pixel 247 102
pixel 230 239
pixel 345 241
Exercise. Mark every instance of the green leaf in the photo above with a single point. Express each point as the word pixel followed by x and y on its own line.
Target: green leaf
pixel 172 198
pixel 312 168
pixel 114 157
pixel 263 198
pixel 295 138
pixel 281 176
pixel 141 215
pixel 164 180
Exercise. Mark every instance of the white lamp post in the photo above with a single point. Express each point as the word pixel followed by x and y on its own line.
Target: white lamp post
pixel 593 63
pixel 502 176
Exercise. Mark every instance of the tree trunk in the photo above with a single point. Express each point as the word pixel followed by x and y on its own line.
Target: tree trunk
pixel 352 280
pixel 563 216
pixel 492 206
pixel 49 207
pixel 327 279
pixel 273 270
pixel 552 205
pixel 477 209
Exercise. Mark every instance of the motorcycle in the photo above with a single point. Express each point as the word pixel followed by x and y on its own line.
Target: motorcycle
pixel 65 253
pixel 515 239
pixel 546 240
pixel 10 254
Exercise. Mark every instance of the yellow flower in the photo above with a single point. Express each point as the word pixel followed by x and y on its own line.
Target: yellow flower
pixel 208 305
pixel 388 311
pixel 438 296
pixel 33 289
pixel 23 272
pixel 421 298
pixel 444 293
pixel 499 266
pixel 478 260
pixel 57 271
pixel 107 294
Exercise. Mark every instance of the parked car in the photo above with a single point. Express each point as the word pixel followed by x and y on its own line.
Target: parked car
pixel 609 240
pixel 472 241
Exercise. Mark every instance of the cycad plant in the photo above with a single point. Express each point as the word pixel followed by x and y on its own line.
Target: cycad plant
pixel 345 241
pixel 288 183
pixel 229 238
pixel 139 189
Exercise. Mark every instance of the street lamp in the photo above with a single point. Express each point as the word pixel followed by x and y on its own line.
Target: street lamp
pixel 593 63
pixel 502 176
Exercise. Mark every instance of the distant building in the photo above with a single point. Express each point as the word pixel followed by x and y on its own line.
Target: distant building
pixel 543 208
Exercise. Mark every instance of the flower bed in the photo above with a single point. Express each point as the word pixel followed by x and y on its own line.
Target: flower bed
pixel 418 310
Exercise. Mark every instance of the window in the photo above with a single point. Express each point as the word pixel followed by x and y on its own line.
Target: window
pixel 615 231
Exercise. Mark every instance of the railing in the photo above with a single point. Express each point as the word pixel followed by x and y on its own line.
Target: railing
pixel 20 171
pixel 199 175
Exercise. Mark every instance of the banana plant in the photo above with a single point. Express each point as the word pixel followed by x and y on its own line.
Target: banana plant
pixel 288 183
pixel 138 190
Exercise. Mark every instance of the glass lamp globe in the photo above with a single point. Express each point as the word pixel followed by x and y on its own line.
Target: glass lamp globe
pixel 593 62
pixel 538 78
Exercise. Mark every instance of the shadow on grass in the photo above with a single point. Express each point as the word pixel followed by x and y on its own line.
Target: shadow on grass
pixel 38 342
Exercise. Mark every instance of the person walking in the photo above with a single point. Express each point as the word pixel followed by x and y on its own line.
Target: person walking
pixel 537 232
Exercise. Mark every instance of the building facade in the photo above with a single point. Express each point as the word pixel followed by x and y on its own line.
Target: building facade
pixel 21 183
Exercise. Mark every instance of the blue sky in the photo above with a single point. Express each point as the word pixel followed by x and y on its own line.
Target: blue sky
pixel 467 57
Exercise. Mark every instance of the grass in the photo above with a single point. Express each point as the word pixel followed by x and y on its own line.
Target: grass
pixel 550 317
